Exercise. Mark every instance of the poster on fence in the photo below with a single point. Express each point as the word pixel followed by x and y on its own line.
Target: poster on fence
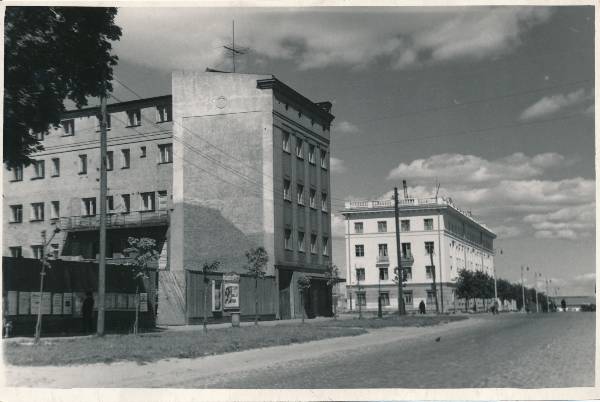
pixel 57 303
pixel 11 300
pixel 110 301
pixel 217 297
pixel 131 301
pixel 121 301
pixel 47 303
pixel 143 302
pixel 24 302
pixel 67 303
pixel 231 292
pixel 34 302
pixel 78 303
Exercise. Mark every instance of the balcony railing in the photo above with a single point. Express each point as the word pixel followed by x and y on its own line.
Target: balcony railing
pixel 117 220
pixel 383 259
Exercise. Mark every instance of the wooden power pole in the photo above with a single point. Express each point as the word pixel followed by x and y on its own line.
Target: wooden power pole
pixel 401 309
pixel 103 191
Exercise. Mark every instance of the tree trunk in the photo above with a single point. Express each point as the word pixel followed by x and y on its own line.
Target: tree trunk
pixel 137 309
pixel 204 309
pixel 302 304
pixel 256 300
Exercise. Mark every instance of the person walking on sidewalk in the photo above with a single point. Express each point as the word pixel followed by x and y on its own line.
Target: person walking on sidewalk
pixel 422 307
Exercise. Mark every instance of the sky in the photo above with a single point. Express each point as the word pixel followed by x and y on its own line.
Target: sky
pixel 496 104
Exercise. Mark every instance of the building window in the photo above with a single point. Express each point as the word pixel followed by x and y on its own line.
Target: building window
pixel 405 225
pixel 313 244
pixel 383 250
pixel 324 159
pixel 429 271
pixel 16 213
pixel 126 199
pixel 287 239
pixel 68 127
pixel 312 197
pixel 164 113
pixel 360 274
pixel 359 250
pixel 37 252
pixel 39 170
pixel 143 151
pixel 134 117
pixel 312 159
pixel 428 224
pixel 125 158
pixel 383 274
pixel 37 211
pixel 324 202
pixel 166 153
pixel 406 253
pixel 301 241
pixel 385 298
pixel 99 119
pixel 361 299
pixel 83 164
pixel 286 142
pixel 55 167
pixel 109 160
pixel 162 200
pixel 407 274
pixel 110 204
pixel 358 227
pixel 430 297
pixel 381 226
pixel 286 190
pixel 17 173
pixel 429 247
pixel 148 201
pixel 300 194
pixel 16 252
pixel 88 206
pixel 299 148
pixel 54 209
pixel 408 297
pixel 325 246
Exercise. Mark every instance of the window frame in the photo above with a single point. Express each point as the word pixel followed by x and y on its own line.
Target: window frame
pixel 313 244
pixel 386 298
pixel 379 226
pixel 356 226
pixel 55 167
pixel 168 112
pixel 300 241
pixel 134 117
pixel 429 271
pixel 35 208
pixel 403 227
pixel 110 160
pixel 358 247
pixel 287 240
pixel 125 158
pixel 285 142
pixel 143 151
pixel 363 274
pixel 70 123
pixel 16 217
pixel 39 173
pixel 89 205
pixel 17 173
pixel 165 157
pixel 300 194
pixel 428 224
pixel 299 148
pixel 324 202
pixel 312 198
pixel 151 197
pixel 384 248
pixel 38 251
pixel 12 250
pixel 384 270
pixel 287 193
pixel 83 163
pixel 325 240
pixel 54 210
pixel 361 298
pixel 324 164
pixel 126 204
pixel 311 154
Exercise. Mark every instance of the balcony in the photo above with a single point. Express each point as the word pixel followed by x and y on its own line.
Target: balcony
pixel 383 259
pixel 115 221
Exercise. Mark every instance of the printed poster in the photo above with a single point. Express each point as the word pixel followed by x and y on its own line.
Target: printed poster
pixel 231 292
pixel 67 303
pixel 110 301
pixel 24 302
pixel 131 301
pixel 121 301
pixel 217 297
pixel 34 302
pixel 12 301
pixel 143 302
pixel 47 303
pixel 57 303
pixel 78 303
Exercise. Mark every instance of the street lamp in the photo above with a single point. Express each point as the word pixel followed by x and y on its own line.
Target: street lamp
pixel 523 287
pixel 38 324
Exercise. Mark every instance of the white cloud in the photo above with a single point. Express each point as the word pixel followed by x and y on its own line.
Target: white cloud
pixel 549 105
pixel 317 38
pixel 337 165
pixel 473 169
pixel 511 189
pixel 345 127
pixel 338 225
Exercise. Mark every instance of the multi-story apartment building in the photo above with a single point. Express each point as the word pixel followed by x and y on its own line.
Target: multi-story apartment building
pixel 437 241
pixel 226 163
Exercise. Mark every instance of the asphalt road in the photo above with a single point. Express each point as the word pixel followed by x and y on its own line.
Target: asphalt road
pixel 512 350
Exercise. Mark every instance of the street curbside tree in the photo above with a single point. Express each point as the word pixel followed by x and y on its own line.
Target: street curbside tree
pixel 143 253
pixel 303 285
pixel 257 261
pixel 207 268
pixel 333 278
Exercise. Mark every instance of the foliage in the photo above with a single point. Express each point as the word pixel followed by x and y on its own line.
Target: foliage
pixel 207 267
pixel 332 275
pixel 52 54
pixel 303 282
pixel 143 251
pixel 257 261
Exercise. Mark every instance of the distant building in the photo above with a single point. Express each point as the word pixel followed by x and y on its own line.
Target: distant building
pixel 456 239
pixel 573 303
pixel 226 163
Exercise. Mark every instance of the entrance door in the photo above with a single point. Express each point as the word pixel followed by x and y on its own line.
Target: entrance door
pixel 285 311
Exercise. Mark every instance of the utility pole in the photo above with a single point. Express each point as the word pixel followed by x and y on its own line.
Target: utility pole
pixel 232 49
pixel 38 324
pixel 358 302
pixel 401 309
pixel 523 288
pixel 547 296
pixel 103 191
pixel 537 305
pixel 433 285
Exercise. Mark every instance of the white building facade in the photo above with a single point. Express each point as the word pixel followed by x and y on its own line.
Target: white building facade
pixel 437 240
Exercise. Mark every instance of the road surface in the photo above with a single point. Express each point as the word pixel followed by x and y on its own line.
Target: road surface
pixel 510 350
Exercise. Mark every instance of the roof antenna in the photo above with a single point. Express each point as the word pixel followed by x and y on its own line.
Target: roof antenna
pixel 437 190
pixel 232 49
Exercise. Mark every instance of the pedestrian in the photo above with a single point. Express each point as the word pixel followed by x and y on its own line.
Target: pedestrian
pixel 496 307
pixel 422 307
pixel 563 304
pixel 87 311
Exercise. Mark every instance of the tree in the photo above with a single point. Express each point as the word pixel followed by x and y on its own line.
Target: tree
pixel 333 278
pixel 303 285
pixel 257 261
pixel 143 251
pixel 52 54
pixel 206 269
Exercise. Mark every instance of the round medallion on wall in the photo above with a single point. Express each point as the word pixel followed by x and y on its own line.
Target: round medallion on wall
pixel 221 102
